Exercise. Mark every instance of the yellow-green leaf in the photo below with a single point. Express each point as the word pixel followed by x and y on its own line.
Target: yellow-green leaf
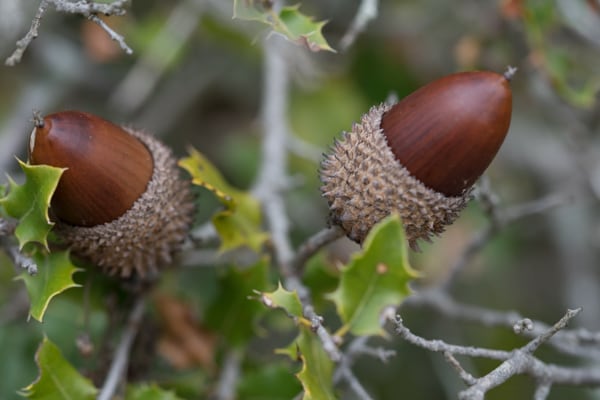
pixel 55 275
pixel 375 278
pixel 239 223
pixel 58 380
pixel 289 22
pixel 281 298
pixel 29 202
pixel 317 368
pixel 301 29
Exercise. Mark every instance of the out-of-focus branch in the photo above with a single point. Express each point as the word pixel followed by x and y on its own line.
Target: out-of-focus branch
pixel 272 180
pixel 226 387
pixel 87 9
pixel 118 367
pixel 499 218
pixel 367 11
pixel 142 79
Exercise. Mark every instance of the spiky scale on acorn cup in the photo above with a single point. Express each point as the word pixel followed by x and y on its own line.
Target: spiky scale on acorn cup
pixel 121 203
pixel 419 157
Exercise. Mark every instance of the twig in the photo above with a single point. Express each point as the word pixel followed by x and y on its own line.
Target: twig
pixel 23 43
pixel 367 11
pixel 113 35
pixel 516 362
pixel 572 342
pixel 20 260
pixel 120 361
pixel 313 244
pixel 87 9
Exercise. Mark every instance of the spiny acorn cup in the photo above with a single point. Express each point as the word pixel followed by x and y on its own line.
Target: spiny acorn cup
pixel 121 204
pixel 419 157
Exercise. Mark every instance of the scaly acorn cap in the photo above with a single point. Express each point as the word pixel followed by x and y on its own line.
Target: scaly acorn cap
pixel 121 204
pixel 419 157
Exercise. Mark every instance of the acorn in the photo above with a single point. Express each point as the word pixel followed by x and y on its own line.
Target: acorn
pixel 121 204
pixel 419 157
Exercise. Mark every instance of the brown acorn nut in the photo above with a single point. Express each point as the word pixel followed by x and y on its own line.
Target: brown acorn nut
pixel 419 157
pixel 121 203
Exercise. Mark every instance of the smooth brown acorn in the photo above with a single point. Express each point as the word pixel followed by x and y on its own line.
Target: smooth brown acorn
pixel 419 157
pixel 121 203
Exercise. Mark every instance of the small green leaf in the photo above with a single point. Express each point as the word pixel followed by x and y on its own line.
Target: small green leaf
pixel 317 368
pixel 290 22
pixel 375 278
pixel 233 313
pixel 55 275
pixel 149 392
pixel 29 202
pixel 301 29
pixel 281 298
pixel 239 223
pixel 58 380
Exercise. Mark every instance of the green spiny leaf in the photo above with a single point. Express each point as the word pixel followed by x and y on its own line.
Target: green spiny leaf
pixel 232 313
pixel 301 29
pixel 58 380
pixel 289 22
pixel 317 368
pixel 55 275
pixel 29 202
pixel 281 298
pixel 375 278
pixel 149 392
pixel 239 223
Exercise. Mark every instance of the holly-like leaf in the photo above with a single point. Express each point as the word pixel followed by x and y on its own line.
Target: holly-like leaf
pixel 29 202
pixel 239 223
pixel 149 392
pixel 317 368
pixel 374 279
pixel 301 29
pixel 55 275
pixel 57 380
pixel 281 298
pixel 289 22
pixel 233 313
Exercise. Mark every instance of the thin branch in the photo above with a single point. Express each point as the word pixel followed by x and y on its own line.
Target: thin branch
pixel 23 43
pixel 272 180
pixel 230 374
pixel 21 260
pixel 313 244
pixel 113 35
pixel 572 342
pixel 118 367
pixel 87 9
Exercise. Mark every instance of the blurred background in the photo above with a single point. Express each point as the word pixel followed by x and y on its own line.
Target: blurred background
pixel 195 79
